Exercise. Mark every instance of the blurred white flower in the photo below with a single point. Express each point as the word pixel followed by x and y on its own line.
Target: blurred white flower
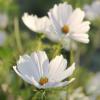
pixel 4 87
pixel 43 25
pixel 78 95
pixel 93 86
pixel 63 95
pixel 36 70
pixel 68 23
pixel 63 25
pixel 2 37
pixel 35 23
pixel 93 10
pixel 3 20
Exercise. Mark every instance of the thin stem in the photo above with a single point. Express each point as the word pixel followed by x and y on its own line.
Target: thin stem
pixel 71 61
pixel 43 97
pixel 17 35
pixel 40 46
pixel 57 49
pixel 77 56
pixel 71 54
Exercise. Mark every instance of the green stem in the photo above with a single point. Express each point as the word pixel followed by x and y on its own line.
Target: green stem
pixel 39 45
pixel 57 49
pixel 71 61
pixel 71 54
pixel 17 35
pixel 36 96
pixel 77 56
pixel 43 97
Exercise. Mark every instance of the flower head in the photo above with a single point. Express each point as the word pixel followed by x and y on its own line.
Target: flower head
pixel 38 71
pixel 63 25
pixel 68 23
pixel 92 11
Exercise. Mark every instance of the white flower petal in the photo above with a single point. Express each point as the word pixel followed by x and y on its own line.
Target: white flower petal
pixel 58 16
pixel 76 17
pixel 65 83
pixel 52 35
pixel 58 64
pixel 49 85
pixel 84 36
pixel 22 76
pixel 57 84
pixel 64 74
pixel 42 62
pixel 61 13
pixel 36 24
pixel 28 66
pixel 82 28
pixel 26 78
pixel 54 23
pixel 81 38
pixel 65 11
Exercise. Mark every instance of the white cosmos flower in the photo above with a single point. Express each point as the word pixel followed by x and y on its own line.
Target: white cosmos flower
pixel 93 86
pixel 43 25
pixel 61 19
pixel 93 10
pixel 3 20
pixel 35 23
pixel 68 23
pixel 78 94
pixel 38 71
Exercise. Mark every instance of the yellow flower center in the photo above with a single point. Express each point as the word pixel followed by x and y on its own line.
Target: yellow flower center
pixel 43 80
pixel 65 29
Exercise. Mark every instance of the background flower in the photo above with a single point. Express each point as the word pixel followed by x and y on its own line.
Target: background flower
pixel 78 94
pixel 92 11
pixel 3 20
pixel 55 34
pixel 93 86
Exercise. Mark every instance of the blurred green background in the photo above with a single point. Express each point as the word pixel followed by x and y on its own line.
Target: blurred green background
pixel 18 39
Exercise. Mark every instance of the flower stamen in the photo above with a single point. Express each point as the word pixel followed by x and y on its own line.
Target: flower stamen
pixel 43 80
pixel 65 29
